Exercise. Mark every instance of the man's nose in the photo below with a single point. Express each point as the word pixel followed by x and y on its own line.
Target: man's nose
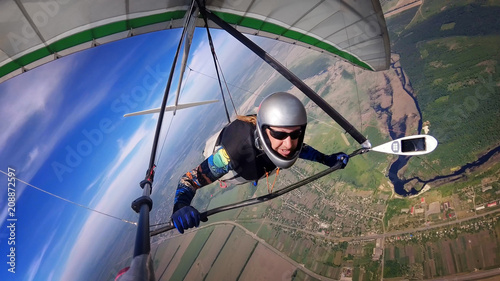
pixel 287 142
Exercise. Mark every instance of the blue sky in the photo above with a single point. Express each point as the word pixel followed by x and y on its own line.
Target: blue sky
pixel 63 131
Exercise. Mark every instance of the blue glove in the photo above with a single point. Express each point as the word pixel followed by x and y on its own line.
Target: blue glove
pixel 331 160
pixel 186 217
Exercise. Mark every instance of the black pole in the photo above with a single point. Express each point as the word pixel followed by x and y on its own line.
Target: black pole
pixel 141 267
pixel 143 205
pixel 165 96
pixel 288 75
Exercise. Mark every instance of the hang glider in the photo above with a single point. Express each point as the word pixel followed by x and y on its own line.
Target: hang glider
pixel 188 38
pixel 35 33
pixel 169 108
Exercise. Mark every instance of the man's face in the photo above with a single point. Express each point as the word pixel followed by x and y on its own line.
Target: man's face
pixel 286 146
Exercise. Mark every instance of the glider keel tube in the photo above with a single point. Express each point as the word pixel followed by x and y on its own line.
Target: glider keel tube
pixel 288 75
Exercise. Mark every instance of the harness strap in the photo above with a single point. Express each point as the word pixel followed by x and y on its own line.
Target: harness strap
pixel 270 190
pixel 222 184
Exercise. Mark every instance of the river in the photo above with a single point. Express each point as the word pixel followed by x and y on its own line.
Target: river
pixel 399 184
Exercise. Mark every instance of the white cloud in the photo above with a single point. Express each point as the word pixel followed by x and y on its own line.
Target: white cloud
pixel 135 142
pixel 20 101
pixel 33 155
pixel 118 190
pixel 40 100
pixel 35 264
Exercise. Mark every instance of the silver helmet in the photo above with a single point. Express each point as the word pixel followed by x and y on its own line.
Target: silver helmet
pixel 280 110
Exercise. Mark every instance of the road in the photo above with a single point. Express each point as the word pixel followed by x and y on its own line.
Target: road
pixel 478 275
pixel 384 235
pixel 402 8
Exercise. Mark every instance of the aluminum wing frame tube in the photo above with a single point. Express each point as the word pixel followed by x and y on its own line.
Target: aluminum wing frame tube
pixel 288 75
pixel 263 198
pixel 252 201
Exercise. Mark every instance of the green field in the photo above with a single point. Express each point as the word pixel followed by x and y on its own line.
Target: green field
pixel 252 226
pixel 191 253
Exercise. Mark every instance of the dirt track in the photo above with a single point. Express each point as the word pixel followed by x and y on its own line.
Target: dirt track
pixel 402 6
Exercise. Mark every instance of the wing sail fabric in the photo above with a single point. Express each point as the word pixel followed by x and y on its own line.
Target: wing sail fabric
pixel 352 30
pixel 37 32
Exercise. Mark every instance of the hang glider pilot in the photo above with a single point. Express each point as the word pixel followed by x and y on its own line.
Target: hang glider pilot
pixel 247 149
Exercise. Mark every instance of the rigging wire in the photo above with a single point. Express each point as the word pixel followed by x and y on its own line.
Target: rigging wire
pixel 172 119
pixel 164 103
pixel 225 83
pixel 165 138
pixel 253 93
pixel 359 100
pixel 214 56
pixel 233 85
pixel 326 123
pixel 71 202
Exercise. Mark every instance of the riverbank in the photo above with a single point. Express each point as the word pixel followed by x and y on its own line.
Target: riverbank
pixel 483 162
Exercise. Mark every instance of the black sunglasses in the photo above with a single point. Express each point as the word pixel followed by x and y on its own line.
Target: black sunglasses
pixel 283 135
